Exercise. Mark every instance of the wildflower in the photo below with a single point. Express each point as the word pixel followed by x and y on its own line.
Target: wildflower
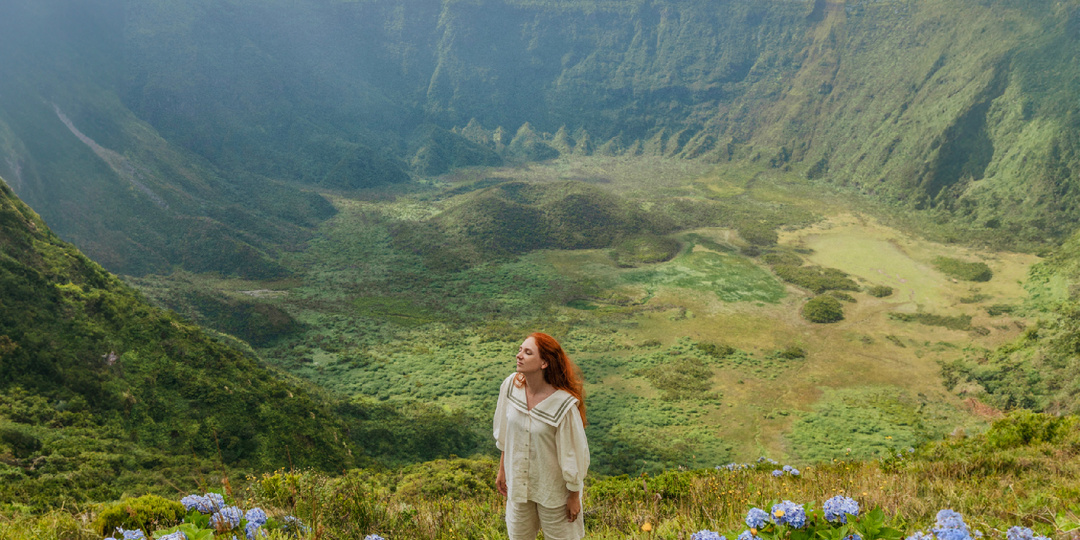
pixel 217 502
pixel 201 503
pixel 293 525
pixel 747 535
pixel 373 537
pixel 788 468
pixel 1019 533
pixel 647 527
pixel 706 535
pixel 756 518
pixel 920 536
pixel 226 519
pixel 794 472
pixel 778 473
pixel 839 508
pixel 789 513
pixel 253 530
pixel 257 516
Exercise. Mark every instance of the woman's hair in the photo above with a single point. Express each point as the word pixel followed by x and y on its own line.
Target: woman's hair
pixel 561 372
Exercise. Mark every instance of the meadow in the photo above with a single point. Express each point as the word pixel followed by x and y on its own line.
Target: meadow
pixel 394 301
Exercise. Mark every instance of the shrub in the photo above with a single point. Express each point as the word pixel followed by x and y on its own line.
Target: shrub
pixel 146 513
pixel 956 322
pixel 842 296
pixel 714 350
pixel 823 309
pixel 775 258
pixel 644 249
pixel 967 271
pixel 816 278
pixel 793 352
pixel 758 234
pixel 879 291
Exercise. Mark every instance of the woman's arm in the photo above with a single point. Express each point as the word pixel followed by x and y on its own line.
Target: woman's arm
pixel 573 505
pixel 500 479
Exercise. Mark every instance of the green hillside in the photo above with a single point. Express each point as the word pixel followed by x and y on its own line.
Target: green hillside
pixel 101 393
pixel 190 134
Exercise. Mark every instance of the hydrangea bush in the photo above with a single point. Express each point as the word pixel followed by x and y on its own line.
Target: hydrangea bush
pixel 209 516
pixel 840 519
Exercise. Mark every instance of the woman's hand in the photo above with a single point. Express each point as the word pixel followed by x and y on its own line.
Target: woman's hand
pixel 573 506
pixel 500 479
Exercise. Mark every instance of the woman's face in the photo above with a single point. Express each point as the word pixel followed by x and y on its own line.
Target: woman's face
pixel 528 357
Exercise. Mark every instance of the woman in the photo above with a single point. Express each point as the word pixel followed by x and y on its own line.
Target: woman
pixel 540 428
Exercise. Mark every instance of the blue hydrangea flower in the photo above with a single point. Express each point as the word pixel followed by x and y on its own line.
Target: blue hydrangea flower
pixel 1019 533
pixel 132 534
pixel 746 535
pixel 253 530
pixel 256 515
pixel 756 518
pixel 952 534
pixel 920 536
pixel 855 536
pixel 373 537
pixel 178 535
pixel 228 518
pixel 949 519
pixel 778 472
pixel 788 468
pixel 293 524
pixel 198 502
pixel 794 472
pixel 217 502
pixel 706 535
pixel 789 513
pixel 838 508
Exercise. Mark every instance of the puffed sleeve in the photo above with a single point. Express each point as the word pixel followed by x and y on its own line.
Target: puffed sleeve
pixel 573 450
pixel 499 422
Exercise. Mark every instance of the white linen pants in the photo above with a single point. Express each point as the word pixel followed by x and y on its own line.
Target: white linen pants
pixel 523 520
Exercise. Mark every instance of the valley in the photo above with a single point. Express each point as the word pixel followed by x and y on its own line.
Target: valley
pixel 646 334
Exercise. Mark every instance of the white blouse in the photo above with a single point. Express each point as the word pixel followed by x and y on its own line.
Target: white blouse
pixel 545 452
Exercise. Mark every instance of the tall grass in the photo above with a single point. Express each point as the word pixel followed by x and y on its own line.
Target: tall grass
pixel 1023 471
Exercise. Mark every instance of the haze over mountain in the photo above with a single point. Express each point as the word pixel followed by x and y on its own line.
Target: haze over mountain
pixel 140 131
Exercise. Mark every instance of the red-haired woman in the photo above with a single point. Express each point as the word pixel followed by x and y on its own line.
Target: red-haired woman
pixel 540 429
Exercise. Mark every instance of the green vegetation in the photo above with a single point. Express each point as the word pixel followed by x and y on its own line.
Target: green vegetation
pixel 952 322
pixel 966 271
pixel 1035 454
pixel 103 393
pixel 823 309
pixel 645 249
pixel 879 291
pixel 815 278
pixel 147 513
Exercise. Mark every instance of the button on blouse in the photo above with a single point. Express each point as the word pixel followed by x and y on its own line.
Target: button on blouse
pixel 546 453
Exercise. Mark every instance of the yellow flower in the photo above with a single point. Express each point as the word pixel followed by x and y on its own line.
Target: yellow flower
pixel 647 527
pixel 779 513
pixel 753 531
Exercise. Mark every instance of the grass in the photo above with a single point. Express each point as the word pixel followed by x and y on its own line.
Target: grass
pixel 1023 471
pixel 378 321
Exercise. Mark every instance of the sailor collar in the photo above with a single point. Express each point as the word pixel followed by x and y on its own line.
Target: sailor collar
pixel 550 411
